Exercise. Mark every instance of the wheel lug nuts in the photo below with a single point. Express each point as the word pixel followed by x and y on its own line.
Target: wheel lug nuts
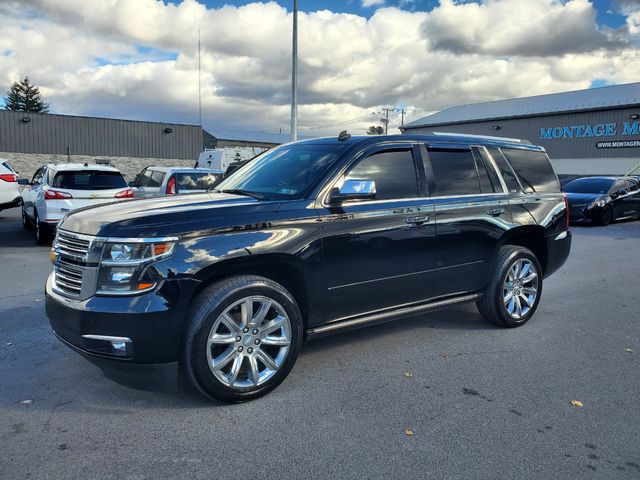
pixel 240 349
pixel 257 342
pixel 255 331
pixel 238 338
pixel 245 330
pixel 249 350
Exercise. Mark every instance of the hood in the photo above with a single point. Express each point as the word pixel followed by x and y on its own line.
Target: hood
pixel 161 216
pixel 582 198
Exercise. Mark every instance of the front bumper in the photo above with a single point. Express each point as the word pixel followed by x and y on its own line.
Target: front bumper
pixel 583 214
pixel 558 248
pixel 153 323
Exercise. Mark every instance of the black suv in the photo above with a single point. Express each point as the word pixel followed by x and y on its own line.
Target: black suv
pixel 309 238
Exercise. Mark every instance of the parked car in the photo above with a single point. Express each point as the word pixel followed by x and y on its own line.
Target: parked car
pixel 57 189
pixel 9 188
pixel 601 200
pixel 158 181
pixel 318 236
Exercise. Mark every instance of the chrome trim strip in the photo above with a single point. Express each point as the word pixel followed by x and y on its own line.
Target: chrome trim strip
pixel 496 169
pixel 404 275
pixel 381 316
pixel 108 338
pixel 127 293
pixel 136 240
pixel 561 236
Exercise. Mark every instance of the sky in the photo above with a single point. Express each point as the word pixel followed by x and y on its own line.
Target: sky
pixel 138 59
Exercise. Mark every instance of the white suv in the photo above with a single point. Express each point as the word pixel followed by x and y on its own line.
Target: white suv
pixel 9 190
pixel 55 190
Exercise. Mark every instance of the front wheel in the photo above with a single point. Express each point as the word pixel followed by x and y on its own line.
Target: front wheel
pixel 26 224
pixel 513 293
pixel 243 338
pixel 605 217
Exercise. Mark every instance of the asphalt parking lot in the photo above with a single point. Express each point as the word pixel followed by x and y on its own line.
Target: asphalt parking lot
pixel 443 395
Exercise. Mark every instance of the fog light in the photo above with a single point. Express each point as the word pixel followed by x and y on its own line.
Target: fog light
pixel 119 346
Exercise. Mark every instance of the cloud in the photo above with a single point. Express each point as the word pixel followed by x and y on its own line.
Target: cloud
pixel 138 59
pixel 517 27
pixel 371 3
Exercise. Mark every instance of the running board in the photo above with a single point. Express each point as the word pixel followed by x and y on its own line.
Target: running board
pixel 388 315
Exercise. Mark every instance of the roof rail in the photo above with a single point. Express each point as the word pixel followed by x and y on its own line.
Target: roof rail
pixel 486 137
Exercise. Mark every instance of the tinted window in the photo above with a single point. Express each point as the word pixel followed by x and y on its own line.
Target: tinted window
pixel 505 169
pixel 619 185
pixel 286 172
pixel 393 172
pixel 7 166
pixel 37 177
pixel 196 180
pixel 150 178
pixel 588 185
pixel 88 180
pixel 632 185
pixel 455 172
pixel 489 182
pixel 533 169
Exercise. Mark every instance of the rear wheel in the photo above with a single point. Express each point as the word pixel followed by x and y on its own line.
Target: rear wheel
pixel 243 338
pixel 513 293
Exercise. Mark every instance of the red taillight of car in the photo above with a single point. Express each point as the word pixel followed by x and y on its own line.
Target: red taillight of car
pixel 171 186
pixel 56 195
pixel 128 193
pixel 566 212
pixel 9 177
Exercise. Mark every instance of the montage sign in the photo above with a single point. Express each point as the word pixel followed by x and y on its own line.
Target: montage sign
pixel 589 131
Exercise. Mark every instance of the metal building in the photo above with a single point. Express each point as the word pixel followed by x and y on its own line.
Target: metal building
pixel 34 133
pixel 585 132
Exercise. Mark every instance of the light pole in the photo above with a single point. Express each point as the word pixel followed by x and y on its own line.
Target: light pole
pixel 294 75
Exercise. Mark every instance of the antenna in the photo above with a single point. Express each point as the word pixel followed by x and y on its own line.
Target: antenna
pixel 199 83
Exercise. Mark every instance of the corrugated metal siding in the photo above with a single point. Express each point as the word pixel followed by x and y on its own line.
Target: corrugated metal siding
pixel 61 134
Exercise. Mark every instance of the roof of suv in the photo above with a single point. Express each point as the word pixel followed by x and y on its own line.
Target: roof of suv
pixel 64 167
pixel 433 138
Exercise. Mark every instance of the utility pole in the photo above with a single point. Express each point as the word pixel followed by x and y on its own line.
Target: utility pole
pixel 199 83
pixel 385 120
pixel 402 113
pixel 294 75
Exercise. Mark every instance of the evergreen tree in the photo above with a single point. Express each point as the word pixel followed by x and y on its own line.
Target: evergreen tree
pixel 25 97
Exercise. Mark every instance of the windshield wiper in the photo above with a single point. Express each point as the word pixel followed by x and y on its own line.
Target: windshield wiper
pixel 237 191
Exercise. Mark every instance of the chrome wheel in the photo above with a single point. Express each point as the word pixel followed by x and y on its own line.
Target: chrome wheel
pixel 520 288
pixel 249 342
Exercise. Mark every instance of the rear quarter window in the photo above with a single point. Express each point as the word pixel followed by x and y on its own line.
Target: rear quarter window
pixel 196 180
pixel 533 169
pixel 88 180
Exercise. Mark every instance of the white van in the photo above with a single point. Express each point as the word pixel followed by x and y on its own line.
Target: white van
pixel 219 159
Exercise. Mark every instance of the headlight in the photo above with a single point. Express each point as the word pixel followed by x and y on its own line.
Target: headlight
pixel 123 267
pixel 598 202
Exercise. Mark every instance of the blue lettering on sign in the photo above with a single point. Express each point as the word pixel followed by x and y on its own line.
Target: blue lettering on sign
pixel 586 131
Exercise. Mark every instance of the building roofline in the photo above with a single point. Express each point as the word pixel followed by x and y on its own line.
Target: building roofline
pixel 101 118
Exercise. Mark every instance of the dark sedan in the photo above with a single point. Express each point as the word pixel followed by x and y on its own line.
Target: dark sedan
pixel 601 200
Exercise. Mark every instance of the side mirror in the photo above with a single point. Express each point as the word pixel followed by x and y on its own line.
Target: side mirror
pixel 619 193
pixel 24 181
pixel 354 190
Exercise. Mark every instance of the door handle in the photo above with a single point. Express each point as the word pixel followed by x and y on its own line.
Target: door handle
pixel 419 220
pixel 495 212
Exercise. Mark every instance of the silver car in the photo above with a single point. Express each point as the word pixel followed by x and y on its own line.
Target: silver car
pixel 157 181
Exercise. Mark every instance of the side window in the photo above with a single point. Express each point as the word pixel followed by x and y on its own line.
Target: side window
pixel 632 185
pixel 150 178
pixel 156 178
pixel 506 171
pixel 455 172
pixel 393 171
pixel 533 169
pixel 489 181
pixel 618 185
pixel 37 177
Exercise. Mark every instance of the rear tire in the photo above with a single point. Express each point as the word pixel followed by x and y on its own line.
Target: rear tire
pixel 44 234
pixel 514 290
pixel 243 338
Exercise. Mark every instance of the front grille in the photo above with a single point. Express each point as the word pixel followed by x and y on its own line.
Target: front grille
pixel 68 278
pixel 70 245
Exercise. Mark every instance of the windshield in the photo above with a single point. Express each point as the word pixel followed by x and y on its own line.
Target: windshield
pixel 287 172
pixel 588 185
pixel 88 180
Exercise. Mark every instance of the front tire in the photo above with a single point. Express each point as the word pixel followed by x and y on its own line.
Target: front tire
pixel 243 338
pixel 513 292
pixel 605 217
pixel 26 223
